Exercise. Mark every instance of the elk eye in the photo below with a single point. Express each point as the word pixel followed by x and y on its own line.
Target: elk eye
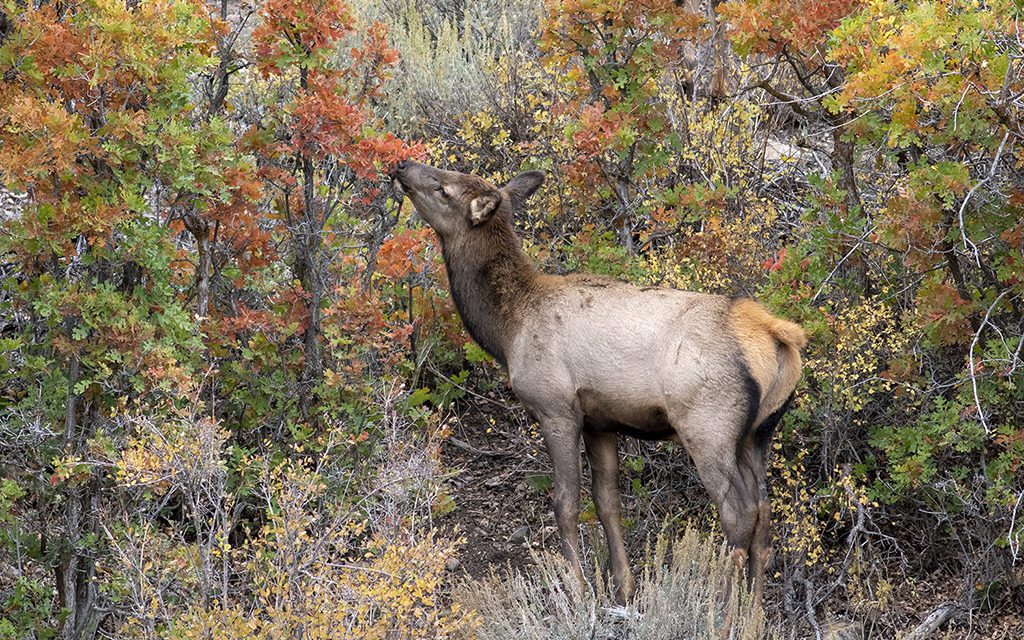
pixel 440 189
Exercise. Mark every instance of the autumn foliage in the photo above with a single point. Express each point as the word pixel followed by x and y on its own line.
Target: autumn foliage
pixel 182 333
pixel 228 359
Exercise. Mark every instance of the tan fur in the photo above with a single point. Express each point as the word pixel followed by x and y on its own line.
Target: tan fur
pixel 591 357
pixel 771 347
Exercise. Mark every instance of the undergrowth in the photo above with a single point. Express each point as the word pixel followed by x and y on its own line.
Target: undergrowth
pixel 679 595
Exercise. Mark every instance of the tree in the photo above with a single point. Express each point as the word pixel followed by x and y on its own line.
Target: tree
pixel 320 143
pixel 94 130
pixel 612 56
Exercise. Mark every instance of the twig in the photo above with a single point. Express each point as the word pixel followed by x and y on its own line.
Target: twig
pixel 970 356
pixel 465 446
pixel 809 607
pixel 967 198
pixel 1012 539
pixel 841 261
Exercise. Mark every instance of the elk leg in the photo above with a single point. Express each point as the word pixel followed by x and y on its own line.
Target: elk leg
pixel 726 475
pixel 603 455
pixel 760 550
pixel 738 511
pixel 562 436
pixel 756 458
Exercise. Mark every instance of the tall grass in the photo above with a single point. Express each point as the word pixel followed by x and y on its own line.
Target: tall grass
pixel 679 597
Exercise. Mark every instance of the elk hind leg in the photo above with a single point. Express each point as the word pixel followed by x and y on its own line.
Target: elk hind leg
pixel 711 440
pixel 603 455
pixel 754 457
pixel 754 454
pixel 739 510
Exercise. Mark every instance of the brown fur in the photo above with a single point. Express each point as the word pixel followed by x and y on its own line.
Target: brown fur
pixel 591 357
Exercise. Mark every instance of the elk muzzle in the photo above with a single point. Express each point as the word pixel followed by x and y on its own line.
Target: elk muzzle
pixel 396 179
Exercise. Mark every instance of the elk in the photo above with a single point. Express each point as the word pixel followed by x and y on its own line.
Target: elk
pixel 591 357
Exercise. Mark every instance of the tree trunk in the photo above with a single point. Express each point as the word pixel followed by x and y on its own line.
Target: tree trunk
pixel 626 232
pixel 203 271
pixel 310 272
pixel 621 180
pixel 844 159
pixel 313 368
pixel 200 230
pixel 76 568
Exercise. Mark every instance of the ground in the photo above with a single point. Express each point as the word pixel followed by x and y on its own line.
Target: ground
pixel 502 516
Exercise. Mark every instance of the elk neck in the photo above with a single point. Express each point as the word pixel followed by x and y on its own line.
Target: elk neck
pixel 492 283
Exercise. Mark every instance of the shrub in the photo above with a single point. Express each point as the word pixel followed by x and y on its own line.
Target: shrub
pixel 679 595
pixel 447 52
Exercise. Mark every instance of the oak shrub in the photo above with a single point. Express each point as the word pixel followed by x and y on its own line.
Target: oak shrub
pixel 220 334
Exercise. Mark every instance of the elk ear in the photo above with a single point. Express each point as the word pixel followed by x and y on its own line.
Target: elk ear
pixel 483 207
pixel 523 185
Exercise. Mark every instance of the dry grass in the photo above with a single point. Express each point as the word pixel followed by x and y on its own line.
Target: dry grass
pixel 679 597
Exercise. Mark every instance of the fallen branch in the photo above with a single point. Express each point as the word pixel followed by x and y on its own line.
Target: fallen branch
pixel 938 617
pixel 465 446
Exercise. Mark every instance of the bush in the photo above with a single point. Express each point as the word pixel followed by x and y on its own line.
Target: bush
pixel 447 52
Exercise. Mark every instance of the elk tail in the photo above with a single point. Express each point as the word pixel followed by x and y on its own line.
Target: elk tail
pixel 751 316
pixel 771 351
pixel 786 332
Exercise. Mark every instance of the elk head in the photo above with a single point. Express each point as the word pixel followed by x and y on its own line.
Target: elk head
pixel 454 203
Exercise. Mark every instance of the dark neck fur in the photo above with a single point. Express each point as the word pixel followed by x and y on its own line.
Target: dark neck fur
pixel 490 279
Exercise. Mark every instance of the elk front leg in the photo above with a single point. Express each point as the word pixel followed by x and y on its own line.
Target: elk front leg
pixel 562 437
pixel 603 454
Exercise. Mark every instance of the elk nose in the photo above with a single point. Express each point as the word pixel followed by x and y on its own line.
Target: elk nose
pixel 398 168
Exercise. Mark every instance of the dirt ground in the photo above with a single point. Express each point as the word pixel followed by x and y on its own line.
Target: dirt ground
pixel 502 516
